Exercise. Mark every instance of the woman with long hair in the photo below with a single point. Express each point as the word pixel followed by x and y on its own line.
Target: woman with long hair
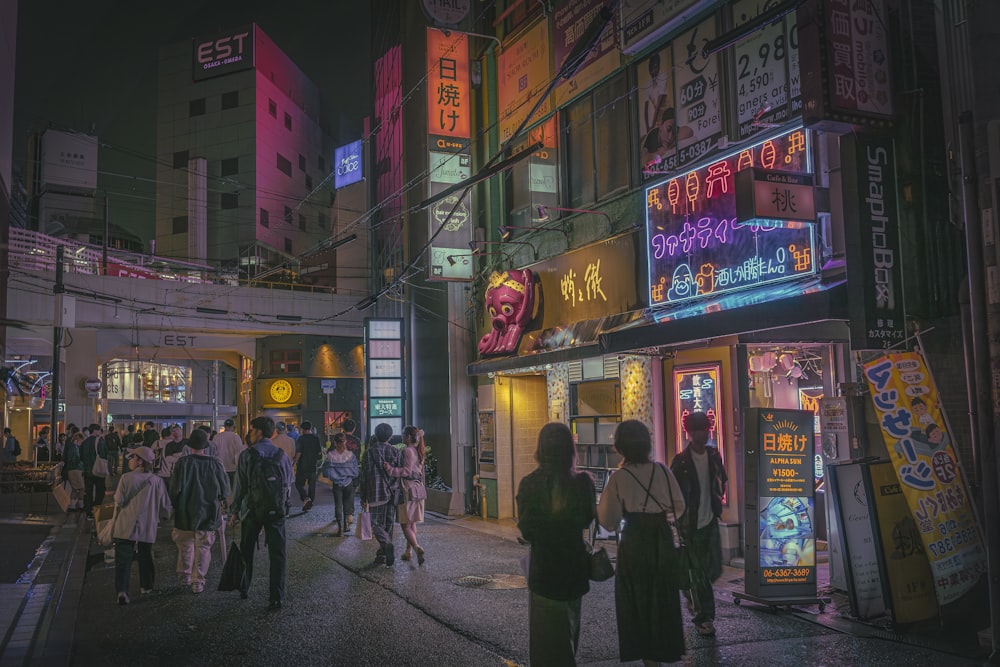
pixel 341 468
pixel 642 493
pixel 555 503
pixel 410 510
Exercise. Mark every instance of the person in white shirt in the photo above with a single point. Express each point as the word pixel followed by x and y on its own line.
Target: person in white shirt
pixel 229 446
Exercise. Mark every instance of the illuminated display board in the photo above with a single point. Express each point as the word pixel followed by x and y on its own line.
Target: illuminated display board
pixel 696 247
pixel 384 373
pixel 696 389
pixel 781 519
pixel 347 160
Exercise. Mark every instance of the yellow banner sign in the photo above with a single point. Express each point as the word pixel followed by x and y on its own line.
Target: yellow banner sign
pixel 523 76
pixel 920 448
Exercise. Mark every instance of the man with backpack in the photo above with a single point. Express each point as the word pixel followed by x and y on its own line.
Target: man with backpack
pixel 11 448
pixel 264 480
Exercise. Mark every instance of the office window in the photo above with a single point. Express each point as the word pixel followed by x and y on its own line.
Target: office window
pixel 285 362
pixel 521 12
pixel 288 215
pixel 272 108
pixel 180 225
pixel 230 166
pixel 309 183
pixel 231 100
pixel 288 122
pixel 302 162
pixel 265 218
pixel 596 131
pixel 196 107
pixel 230 200
pixel 288 245
pixel 181 159
pixel 302 222
pixel 284 166
pixel 321 163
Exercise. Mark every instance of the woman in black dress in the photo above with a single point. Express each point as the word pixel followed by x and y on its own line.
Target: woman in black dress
pixel 555 504
pixel 642 492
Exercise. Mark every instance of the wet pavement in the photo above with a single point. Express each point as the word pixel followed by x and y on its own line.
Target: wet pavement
pixel 466 606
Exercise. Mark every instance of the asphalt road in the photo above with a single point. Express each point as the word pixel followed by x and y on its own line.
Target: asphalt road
pixel 341 609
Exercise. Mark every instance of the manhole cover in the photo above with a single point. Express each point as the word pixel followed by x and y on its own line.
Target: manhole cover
pixel 494 582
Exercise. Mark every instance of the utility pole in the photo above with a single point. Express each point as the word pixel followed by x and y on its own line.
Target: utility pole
pixel 107 230
pixel 57 290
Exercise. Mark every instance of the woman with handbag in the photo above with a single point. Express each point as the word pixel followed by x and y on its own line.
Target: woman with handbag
pixel 141 500
pixel 341 468
pixel 555 504
pixel 410 510
pixel 644 499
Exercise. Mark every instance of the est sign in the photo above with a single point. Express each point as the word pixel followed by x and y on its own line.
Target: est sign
pixel 229 52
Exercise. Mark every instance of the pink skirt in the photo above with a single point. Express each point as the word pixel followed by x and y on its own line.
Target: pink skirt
pixel 411 511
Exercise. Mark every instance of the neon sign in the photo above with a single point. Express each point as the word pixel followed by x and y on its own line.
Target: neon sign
pixel 697 248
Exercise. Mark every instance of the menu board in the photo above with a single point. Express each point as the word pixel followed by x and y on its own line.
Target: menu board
pixel 761 81
pixel 781 522
pixel 699 101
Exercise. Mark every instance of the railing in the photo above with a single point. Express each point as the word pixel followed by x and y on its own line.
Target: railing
pixel 34 251
pixel 27 490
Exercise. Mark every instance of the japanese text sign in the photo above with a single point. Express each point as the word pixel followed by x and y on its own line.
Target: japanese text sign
pixel 523 73
pixel 696 246
pixel 920 448
pixel 570 21
pixel 448 111
pixel 776 196
pixel 696 389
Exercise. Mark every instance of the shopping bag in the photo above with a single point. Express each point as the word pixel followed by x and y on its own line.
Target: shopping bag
pixel 63 492
pixel 365 525
pixel 104 524
pixel 100 468
pixel 234 572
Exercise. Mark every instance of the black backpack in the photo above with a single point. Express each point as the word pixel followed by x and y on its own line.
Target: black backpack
pixel 269 494
pixel 17 447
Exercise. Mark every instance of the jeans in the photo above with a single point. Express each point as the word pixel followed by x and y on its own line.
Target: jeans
pixel 194 553
pixel 274 538
pixel 705 552
pixel 343 504
pixel 124 552
pixel 553 630
pixel 113 462
pixel 93 492
pixel 300 485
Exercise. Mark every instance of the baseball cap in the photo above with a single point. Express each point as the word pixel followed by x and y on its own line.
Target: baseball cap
pixel 144 453
pixel 228 423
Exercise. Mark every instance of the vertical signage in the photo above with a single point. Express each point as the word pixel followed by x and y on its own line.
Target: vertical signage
pixel 570 21
pixel 384 374
pixel 780 522
pixel 919 445
pixel 523 73
pixel 348 164
pixel 854 512
pixel 657 113
pixel 875 304
pixel 449 126
pixel 698 93
pixel 762 71
pixel 696 389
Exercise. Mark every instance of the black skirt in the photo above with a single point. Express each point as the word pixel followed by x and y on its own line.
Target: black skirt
pixel 646 597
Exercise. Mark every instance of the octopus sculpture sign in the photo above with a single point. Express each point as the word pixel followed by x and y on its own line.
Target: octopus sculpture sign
pixel 510 301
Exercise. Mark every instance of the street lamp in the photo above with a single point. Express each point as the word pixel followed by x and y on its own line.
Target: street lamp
pixel 506 231
pixel 476 250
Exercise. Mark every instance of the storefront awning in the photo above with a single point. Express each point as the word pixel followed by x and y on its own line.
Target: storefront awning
pixel 785 305
pixel 557 344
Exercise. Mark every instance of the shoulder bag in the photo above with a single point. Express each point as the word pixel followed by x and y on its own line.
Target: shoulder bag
pixel 105 529
pixel 601 568
pixel 100 468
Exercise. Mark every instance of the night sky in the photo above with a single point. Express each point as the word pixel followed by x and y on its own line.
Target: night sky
pixel 92 66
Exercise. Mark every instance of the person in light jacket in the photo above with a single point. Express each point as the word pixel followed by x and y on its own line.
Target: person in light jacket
pixel 410 511
pixel 341 468
pixel 141 502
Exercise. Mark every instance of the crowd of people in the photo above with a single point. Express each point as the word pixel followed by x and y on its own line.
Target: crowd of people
pixel 205 480
pixel 659 513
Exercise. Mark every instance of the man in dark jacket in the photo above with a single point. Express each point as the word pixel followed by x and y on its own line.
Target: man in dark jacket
pixel 198 485
pixel 702 478
pixel 94 486
pixel 308 453
pixel 380 492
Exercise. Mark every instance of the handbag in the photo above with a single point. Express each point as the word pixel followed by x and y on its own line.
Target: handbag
pixel 365 525
pixel 601 568
pixel 416 492
pixel 100 468
pixel 234 572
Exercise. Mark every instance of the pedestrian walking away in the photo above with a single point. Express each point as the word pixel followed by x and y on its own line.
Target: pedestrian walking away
pixel 198 487
pixel 341 468
pixel 93 448
pixel 410 510
pixel 282 441
pixel 260 501
pixel 702 479
pixel 230 446
pixel 141 502
pixel 72 471
pixel 308 456
pixel 380 492
pixel 647 602
pixel 555 503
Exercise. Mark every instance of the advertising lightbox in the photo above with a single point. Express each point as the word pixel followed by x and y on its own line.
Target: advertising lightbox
pixel 695 244
pixel 780 520
pixel 225 53
pixel 348 164
pixel 384 373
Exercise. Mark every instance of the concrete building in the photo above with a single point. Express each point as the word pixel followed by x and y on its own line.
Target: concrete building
pixel 242 157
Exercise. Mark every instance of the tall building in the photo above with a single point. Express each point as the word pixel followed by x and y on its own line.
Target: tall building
pixel 242 157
